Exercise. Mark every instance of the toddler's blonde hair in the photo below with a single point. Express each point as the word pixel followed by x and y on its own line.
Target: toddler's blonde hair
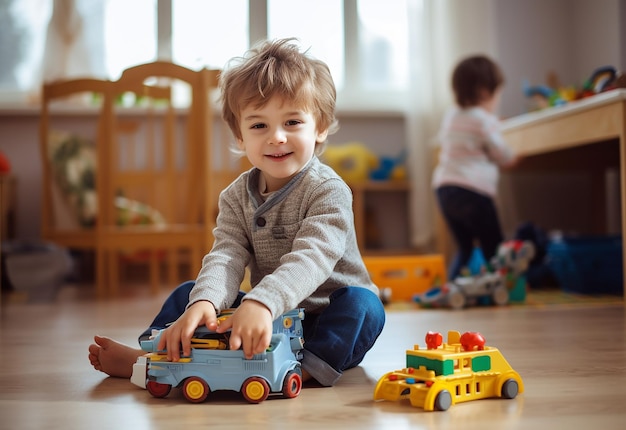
pixel 278 68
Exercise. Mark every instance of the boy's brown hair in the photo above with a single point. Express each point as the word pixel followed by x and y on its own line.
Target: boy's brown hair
pixel 278 68
pixel 473 77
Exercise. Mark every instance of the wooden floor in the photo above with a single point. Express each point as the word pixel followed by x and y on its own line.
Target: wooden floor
pixel 572 359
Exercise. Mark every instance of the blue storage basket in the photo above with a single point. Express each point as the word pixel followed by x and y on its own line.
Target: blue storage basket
pixel 587 265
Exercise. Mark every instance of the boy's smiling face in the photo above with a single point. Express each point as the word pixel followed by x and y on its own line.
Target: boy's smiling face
pixel 279 139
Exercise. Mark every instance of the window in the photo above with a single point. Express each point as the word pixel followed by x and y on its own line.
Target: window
pixel 285 19
pixel 22 35
pixel 130 34
pixel 383 44
pixel 364 42
pixel 208 33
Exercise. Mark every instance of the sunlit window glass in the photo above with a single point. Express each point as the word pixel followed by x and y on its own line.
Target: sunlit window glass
pixel 383 44
pixel 207 33
pixel 366 49
pixel 130 29
pixel 318 25
pixel 23 26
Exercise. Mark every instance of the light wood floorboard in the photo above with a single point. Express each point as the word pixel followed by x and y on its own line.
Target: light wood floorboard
pixel 572 360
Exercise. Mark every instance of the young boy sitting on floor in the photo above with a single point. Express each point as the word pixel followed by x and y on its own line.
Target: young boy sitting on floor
pixel 289 220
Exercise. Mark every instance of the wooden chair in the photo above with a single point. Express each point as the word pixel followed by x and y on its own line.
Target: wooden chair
pixel 155 196
pixel 159 174
pixel 67 148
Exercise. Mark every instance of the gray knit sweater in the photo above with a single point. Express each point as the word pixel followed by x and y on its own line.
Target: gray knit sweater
pixel 300 244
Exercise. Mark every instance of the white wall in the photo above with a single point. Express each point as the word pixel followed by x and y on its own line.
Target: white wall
pixel 601 44
pixel 569 37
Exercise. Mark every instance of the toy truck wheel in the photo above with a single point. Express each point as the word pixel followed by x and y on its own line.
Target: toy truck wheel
pixel 292 383
pixel 195 389
pixel 456 299
pixel 157 389
pixel 443 401
pixel 510 388
pixel 255 389
pixel 500 295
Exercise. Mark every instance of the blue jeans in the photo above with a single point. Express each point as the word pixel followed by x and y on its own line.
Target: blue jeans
pixel 471 217
pixel 336 339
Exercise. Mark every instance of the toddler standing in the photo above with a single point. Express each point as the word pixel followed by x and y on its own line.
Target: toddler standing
pixel 472 151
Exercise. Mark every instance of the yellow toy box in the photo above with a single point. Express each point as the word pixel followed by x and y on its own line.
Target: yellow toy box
pixel 405 276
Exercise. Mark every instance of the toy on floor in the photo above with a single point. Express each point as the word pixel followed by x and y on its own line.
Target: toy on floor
pixel 443 374
pixel 400 277
pixel 211 366
pixel 499 283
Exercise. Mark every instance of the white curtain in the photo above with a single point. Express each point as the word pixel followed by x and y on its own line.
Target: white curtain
pixel 443 31
pixel 72 47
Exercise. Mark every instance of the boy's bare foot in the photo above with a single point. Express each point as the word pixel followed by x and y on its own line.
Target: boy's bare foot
pixel 112 357
pixel 306 376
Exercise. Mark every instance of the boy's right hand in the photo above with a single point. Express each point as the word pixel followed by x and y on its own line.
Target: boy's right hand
pixel 182 330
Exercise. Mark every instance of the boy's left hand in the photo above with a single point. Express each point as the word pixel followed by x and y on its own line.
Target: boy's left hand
pixel 251 328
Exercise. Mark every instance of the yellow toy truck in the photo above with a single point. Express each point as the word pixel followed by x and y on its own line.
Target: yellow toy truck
pixel 443 374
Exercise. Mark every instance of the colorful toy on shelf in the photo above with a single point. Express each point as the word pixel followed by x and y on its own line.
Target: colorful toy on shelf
pixel 461 370
pixel 211 366
pixel 352 161
pixel 552 94
pixel 541 96
pixel 390 168
pixel 602 79
pixel 499 283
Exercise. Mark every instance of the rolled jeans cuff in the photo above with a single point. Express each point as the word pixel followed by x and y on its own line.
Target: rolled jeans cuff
pixel 319 369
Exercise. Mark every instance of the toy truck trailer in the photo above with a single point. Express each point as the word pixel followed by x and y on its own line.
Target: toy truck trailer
pixel 212 367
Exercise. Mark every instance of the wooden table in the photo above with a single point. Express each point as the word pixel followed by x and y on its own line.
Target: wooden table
pixel 592 120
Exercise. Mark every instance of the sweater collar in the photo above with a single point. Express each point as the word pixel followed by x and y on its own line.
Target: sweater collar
pixel 253 186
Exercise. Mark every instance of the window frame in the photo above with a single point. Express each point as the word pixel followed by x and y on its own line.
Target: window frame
pixel 351 98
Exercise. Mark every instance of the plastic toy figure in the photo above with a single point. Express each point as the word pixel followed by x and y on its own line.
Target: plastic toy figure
pixel 435 379
pixel 471 341
pixel 212 367
pixel 498 283
pixel 433 340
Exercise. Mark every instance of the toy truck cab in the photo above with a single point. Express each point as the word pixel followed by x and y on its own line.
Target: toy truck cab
pixel 490 284
pixel 499 284
pixel 458 293
pixel 461 370
pixel 212 367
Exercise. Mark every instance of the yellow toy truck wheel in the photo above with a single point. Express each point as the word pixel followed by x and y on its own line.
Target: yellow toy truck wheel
pixel 195 389
pixel 255 390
